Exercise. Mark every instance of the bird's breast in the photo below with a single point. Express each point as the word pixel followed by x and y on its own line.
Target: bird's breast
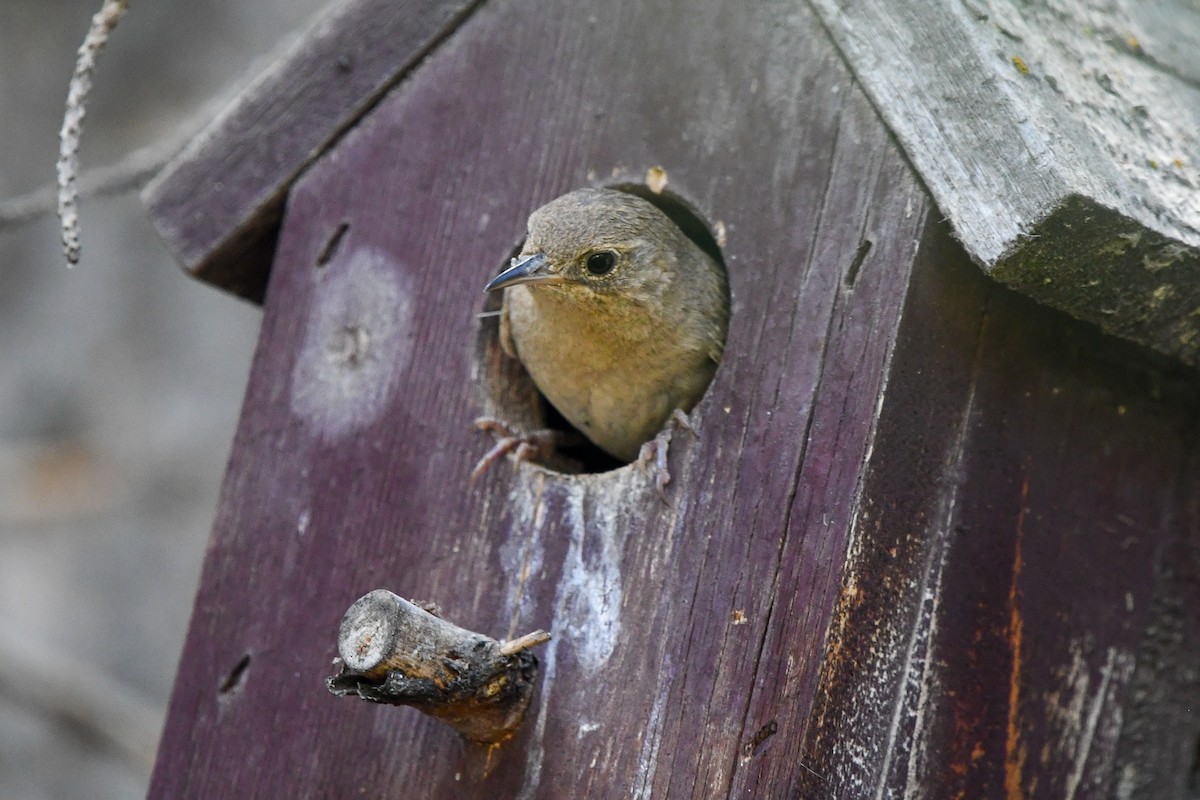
pixel 613 376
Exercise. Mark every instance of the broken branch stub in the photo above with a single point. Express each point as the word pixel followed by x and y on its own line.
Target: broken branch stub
pixel 393 651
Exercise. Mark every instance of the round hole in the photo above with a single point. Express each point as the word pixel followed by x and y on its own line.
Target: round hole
pixel 509 394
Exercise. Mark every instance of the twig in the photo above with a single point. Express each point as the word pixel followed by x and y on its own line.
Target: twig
pixel 135 170
pixel 393 651
pixel 514 646
pixel 129 174
pixel 72 128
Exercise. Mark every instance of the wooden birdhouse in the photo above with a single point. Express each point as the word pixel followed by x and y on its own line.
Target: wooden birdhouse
pixel 937 530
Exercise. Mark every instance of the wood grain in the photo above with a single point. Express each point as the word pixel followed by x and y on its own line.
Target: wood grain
pixel 1012 624
pixel 350 467
pixel 218 204
pixel 1062 140
pixel 889 540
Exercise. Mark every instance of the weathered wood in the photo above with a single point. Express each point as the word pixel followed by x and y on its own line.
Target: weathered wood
pixel 393 651
pixel 351 465
pixel 1062 140
pixel 1024 550
pixel 900 468
pixel 218 204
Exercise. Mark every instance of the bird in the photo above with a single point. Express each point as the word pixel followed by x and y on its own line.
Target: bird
pixel 618 317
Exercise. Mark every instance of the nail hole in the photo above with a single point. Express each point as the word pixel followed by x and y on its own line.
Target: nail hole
pixel 510 395
pixel 860 256
pixel 350 345
pixel 235 677
pixel 332 245
pixel 764 733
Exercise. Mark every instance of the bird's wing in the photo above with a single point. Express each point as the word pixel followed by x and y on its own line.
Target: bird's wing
pixel 716 347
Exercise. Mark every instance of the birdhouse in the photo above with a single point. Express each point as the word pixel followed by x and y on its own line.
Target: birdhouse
pixel 935 531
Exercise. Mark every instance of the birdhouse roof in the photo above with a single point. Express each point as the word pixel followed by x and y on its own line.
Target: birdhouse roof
pixel 1062 143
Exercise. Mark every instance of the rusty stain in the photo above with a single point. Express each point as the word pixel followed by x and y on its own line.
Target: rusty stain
pixel 963 731
pixel 1014 748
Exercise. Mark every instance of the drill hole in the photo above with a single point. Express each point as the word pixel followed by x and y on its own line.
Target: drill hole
pixel 510 395
pixel 235 677
pixel 332 244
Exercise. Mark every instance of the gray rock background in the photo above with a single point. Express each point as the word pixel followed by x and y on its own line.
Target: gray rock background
pixel 120 384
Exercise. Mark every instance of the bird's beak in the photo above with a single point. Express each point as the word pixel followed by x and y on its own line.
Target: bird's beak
pixel 529 269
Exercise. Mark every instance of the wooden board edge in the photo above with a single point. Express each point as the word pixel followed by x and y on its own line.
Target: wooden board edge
pixel 218 203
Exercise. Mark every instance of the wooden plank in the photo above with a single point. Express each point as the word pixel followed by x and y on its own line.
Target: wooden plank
pixel 1159 750
pixel 896 563
pixel 218 204
pixel 683 635
pixel 1061 140
pixel 1014 622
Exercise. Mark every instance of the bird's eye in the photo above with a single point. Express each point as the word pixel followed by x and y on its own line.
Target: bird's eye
pixel 601 263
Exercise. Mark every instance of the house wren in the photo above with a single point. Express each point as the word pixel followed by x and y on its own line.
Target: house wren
pixel 617 316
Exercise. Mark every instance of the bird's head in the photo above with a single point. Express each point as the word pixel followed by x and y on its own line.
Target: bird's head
pixel 597 244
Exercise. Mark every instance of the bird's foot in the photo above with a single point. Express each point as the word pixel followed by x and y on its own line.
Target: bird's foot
pixel 539 445
pixel 656 449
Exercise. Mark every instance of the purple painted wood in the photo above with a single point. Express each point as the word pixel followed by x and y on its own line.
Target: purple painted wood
pixel 1025 549
pixel 218 204
pixel 350 471
pixel 887 570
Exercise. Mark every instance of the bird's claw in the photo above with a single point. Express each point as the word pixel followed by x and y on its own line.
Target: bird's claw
pixel 682 419
pixel 534 445
pixel 656 450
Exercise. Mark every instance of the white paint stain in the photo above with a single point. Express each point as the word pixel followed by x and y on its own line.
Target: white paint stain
pixel 356 343
pixel 587 602
pixel 591 584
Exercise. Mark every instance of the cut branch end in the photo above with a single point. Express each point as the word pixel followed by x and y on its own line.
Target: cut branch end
pixel 393 651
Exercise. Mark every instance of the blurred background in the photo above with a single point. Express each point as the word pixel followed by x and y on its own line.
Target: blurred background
pixel 120 385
